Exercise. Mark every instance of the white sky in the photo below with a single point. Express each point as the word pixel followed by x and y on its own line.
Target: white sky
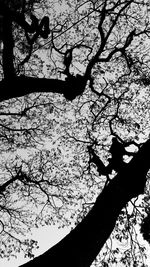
pixel 47 236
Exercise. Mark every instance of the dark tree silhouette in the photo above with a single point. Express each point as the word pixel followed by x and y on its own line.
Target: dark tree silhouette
pixel 82 245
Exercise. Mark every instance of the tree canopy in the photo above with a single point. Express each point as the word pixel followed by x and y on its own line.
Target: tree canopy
pixel 74 76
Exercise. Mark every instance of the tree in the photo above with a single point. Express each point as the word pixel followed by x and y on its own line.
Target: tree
pixel 94 79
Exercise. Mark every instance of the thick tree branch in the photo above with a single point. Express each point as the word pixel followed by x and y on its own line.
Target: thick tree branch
pixel 8 66
pixel 22 85
pixel 81 246
pixel 20 19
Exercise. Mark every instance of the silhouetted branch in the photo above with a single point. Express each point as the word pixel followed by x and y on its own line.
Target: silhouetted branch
pixel 23 85
pixel 81 246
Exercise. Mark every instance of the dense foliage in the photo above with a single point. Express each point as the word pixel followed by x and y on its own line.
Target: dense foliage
pixel 46 177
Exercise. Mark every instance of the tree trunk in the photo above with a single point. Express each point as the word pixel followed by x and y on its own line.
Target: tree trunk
pixel 81 246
